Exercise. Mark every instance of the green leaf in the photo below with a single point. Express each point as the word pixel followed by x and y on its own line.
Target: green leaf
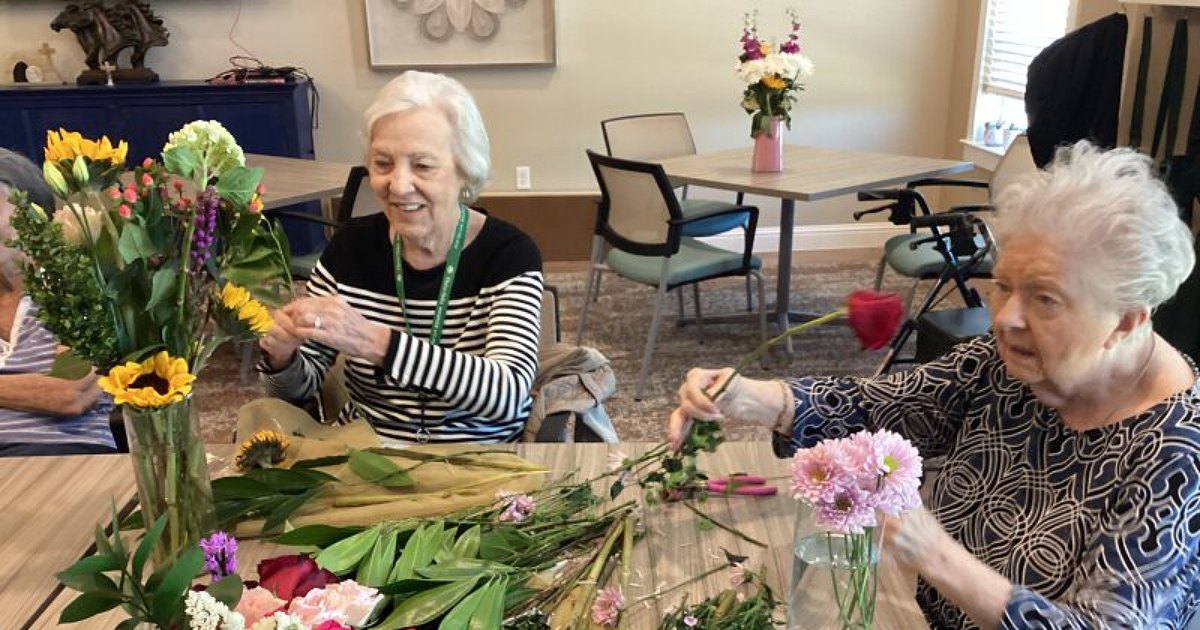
pixel 313 535
pixel 374 571
pixel 321 462
pixel 237 184
pixel 490 612
pixel 168 596
pixel 181 161
pixel 103 547
pixel 117 543
pixel 458 569
pixel 285 509
pixel 162 286
pixel 418 552
pixel 467 545
pixel 239 487
pixel 135 244
pixel 69 366
pixel 427 605
pixel 378 469
pixel 94 583
pixel 227 590
pixel 342 557
pixel 460 615
pixel 615 490
pixel 146 546
pixel 290 481
pixel 87 605
pixel 502 543
pixel 403 589
pixel 89 566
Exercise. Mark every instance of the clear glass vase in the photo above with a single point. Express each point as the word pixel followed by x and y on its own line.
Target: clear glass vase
pixel 171 470
pixel 834 578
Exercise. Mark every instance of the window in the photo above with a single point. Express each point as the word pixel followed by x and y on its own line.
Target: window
pixel 1011 34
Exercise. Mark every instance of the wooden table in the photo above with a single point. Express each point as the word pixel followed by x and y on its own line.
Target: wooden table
pixel 809 174
pixel 674 549
pixel 48 509
pixel 292 180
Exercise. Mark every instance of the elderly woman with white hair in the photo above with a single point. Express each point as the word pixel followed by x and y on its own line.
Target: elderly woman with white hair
pixel 1070 494
pixel 435 305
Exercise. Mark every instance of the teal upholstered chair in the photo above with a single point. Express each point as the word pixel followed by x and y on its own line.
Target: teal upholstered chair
pixel 924 262
pixel 654 137
pixel 641 226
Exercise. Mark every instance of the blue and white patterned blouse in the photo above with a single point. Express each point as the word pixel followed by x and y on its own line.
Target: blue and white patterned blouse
pixel 1096 529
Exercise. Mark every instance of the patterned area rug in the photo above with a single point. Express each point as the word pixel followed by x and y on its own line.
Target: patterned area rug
pixel 617 326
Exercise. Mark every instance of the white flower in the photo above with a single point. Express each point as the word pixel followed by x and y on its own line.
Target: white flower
pixel 279 621
pixel 204 612
pixel 211 142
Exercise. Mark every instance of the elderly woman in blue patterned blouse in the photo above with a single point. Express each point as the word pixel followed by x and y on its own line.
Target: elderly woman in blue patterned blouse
pixel 1070 496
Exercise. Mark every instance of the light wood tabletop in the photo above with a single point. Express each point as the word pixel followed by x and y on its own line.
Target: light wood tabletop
pixel 676 546
pixel 292 180
pixel 48 509
pixel 809 174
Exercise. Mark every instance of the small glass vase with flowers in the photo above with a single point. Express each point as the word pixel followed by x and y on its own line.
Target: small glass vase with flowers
pixel 772 74
pixel 143 274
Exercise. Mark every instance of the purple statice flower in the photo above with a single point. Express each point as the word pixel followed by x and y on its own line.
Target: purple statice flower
pixel 220 554
pixel 517 506
pixel 848 510
pixel 816 471
pixel 206 226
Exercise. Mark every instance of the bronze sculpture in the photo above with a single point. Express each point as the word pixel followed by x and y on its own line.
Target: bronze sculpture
pixel 104 28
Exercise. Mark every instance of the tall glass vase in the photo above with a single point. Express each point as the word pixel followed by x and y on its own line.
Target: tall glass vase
pixel 171 470
pixel 834 578
pixel 768 148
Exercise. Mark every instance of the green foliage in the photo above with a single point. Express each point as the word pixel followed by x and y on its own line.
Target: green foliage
pixel 755 610
pixel 378 469
pixel 111 578
pixel 271 493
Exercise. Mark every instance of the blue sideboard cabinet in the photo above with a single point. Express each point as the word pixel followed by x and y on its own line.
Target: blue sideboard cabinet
pixel 267 118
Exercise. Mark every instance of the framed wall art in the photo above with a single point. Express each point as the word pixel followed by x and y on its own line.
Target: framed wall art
pixel 460 33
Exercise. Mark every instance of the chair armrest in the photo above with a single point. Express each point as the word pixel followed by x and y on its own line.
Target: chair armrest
pixel 942 181
pixel 980 207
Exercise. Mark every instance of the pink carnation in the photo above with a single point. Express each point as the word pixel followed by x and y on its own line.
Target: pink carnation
pixel 517 506
pixel 345 602
pixel 257 603
pixel 606 610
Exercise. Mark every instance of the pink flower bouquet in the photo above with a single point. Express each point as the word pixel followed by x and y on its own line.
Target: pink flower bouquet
pixel 848 482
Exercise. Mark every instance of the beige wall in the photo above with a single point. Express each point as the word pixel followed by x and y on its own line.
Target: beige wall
pixel 885 73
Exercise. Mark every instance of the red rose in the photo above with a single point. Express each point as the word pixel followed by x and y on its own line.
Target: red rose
pixel 292 576
pixel 874 317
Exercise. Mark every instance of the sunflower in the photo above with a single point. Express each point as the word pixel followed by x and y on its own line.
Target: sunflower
pixel 264 449
pixel 156 382
pixel 247 309
pixel 774 82
pixel 67 145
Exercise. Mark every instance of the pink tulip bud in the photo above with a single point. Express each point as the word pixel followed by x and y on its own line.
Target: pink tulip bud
pixel 125 211
pixel 147 163
pixel 147 180
pixel 130 195
pixel 113 192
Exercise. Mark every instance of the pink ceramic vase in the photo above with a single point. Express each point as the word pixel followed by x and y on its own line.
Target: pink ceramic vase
pixel 768 149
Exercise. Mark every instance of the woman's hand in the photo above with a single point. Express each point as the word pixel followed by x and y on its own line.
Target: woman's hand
pixel 329 320
pixel 748 400
pixel 280 344
pixel 914 538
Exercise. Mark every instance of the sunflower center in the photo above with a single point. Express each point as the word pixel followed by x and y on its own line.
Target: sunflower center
pixel 160 385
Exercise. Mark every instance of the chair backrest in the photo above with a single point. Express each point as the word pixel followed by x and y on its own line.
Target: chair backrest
pixel 1016 163
pixel 551 330
pixel 638 211
pixel 358 199
pixel 649 137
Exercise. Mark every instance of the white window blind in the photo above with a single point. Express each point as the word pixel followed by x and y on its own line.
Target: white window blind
pixel 1016 31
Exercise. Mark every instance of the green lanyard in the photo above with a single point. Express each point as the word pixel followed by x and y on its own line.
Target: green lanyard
pixel 443 301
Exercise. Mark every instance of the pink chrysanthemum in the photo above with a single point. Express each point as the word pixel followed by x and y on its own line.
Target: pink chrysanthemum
pixel 848 510
pixel 901 468
pixel 606 610
pixel 815 471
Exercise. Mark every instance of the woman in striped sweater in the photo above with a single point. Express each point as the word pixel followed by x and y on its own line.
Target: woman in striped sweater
pixel 39 414
pixel 435 305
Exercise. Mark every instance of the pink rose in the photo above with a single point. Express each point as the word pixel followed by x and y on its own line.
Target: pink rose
pixel 331 625
pixel 257 603
pixel 346 602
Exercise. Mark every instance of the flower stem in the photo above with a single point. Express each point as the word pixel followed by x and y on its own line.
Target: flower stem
pixel 723 526
pixel 766 345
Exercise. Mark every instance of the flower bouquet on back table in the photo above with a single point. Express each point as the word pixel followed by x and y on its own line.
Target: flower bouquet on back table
pixel 142 274
pixel 772 76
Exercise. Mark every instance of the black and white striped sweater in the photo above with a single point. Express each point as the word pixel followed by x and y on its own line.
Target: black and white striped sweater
pixel 474 386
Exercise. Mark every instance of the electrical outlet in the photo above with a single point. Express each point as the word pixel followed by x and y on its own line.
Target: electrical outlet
pixel 524 178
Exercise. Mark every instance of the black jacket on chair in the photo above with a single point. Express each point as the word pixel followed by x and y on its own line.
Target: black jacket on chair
pixel 1073 88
